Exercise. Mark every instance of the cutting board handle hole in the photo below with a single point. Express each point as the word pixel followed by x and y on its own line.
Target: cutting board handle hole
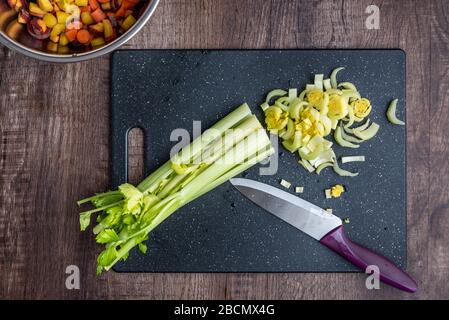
pixel 135 154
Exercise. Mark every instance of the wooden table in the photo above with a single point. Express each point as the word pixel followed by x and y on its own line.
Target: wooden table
pixel 55 148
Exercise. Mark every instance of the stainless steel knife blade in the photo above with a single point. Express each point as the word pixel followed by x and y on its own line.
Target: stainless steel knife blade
pixel 324 227
pixel 303 215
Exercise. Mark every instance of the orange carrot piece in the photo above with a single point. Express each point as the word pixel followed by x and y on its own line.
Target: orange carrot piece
pixel 98 15
pixel 83 36
pixel 122 10
pixel 71 34
pixel 129 4
pixel 103 1
pixel 93 4
pixel 86 9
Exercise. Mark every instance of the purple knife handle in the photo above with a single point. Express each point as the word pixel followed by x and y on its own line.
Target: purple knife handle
pixel 362 257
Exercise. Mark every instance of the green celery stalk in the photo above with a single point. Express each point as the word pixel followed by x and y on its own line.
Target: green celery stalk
pixel 229 147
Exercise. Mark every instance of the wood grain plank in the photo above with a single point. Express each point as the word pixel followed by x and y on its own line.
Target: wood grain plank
pixel 208 24
pixel 438 258
pixel 55 149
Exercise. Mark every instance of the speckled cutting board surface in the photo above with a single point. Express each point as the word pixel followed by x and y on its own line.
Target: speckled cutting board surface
pixel 161 90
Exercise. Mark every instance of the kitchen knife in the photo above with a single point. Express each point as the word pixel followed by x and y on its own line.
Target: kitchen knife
pixel 322 226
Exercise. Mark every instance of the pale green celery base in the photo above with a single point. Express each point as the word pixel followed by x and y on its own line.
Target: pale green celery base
pixel 186 155
pixel 242 151
pixel 226 142
pixel 232 173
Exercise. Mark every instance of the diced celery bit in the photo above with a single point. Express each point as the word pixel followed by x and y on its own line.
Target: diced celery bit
pixel 391 113
pixel 299 189
pixel 285 184
pixel 352 159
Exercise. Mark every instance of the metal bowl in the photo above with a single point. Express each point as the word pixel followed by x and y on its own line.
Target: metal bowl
pixel 16 37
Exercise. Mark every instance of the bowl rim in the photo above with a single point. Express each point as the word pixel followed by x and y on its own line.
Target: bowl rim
pixel 77 57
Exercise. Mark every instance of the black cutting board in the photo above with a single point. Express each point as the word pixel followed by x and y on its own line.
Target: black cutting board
pixel 161 90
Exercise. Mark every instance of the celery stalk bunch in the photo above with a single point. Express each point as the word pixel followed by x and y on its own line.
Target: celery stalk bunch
pixel 127 215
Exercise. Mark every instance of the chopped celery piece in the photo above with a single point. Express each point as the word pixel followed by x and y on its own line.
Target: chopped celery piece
pixel 357 119
pixel 293 145
pixel 295 108
pixel 299 189
pixel 285 184
pixel 281 105
pixel 328 194
pixel 367 133
pixel 310 155
pixel 350 138
pixel 302 94
pixel 348 85
pixel 391 113
pixel 333 77
pixel 327 84
pixel 352 159
pixel 292 94
pixel 361 106
pixel 344 173
pixel 315 143
pixel 334 123
pixel 283 100
pixel 275 118
pixel 334 91
pixel 310 87
pixel 264 106
pixel 363 126
pixel 319 81
pixel 327 123
pixel 327 144
pixel 324 107
pixel 324 157
pixel 338 107
pixel 360 128
pixel 290 130
pixel 351 118
pixel 323 165
pixel 275 93
pixel 306 165
pixel 339 139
